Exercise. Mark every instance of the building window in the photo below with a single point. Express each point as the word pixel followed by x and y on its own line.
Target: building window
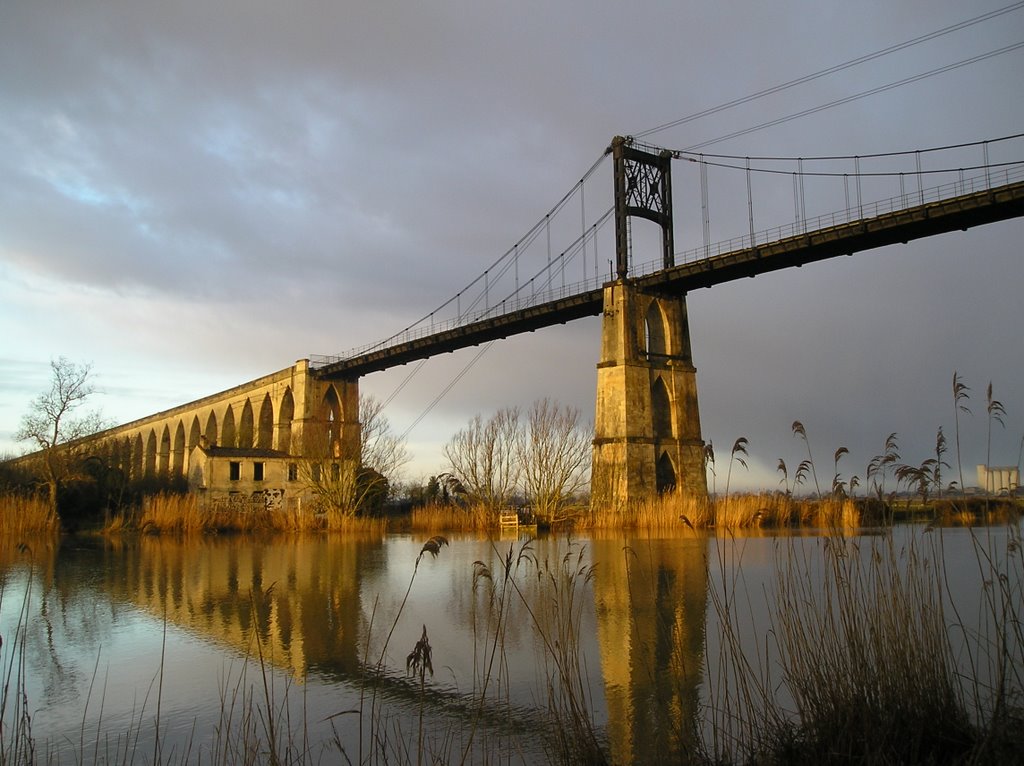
pixel 293 472
pixel 316 472
pixel 234 470
pixel 335 472
pixel 257 471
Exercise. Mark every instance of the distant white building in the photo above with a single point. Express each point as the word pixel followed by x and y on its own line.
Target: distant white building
pixel 999 479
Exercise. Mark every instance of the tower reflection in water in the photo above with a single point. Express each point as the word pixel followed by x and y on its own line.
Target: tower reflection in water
pixel 651 596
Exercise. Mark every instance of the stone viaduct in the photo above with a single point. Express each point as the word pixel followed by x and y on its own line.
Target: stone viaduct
pixel 280 412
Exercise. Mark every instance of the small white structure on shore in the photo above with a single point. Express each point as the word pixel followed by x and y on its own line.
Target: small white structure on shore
pixel 999 479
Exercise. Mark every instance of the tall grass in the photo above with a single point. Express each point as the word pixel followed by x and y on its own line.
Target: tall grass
pixel 889 670
pixel 879 665
pixel 669 510
pixel 776 510
pixel 547 597
pixel 17 744
pixel 24 516
pixel 187 514
pixel 677 510
pixel 436 517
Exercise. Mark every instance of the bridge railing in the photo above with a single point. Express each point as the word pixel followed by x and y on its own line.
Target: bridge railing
pixel 988 179
pixel 826 221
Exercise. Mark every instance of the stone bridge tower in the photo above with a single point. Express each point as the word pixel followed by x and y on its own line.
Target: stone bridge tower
pixel 647 427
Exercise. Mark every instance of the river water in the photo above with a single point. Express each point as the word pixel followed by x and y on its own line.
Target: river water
pixel 222 649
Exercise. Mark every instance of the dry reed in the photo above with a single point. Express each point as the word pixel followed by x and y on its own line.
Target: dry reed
pixel 745 511
pixel 187 514
pixel 548 599
pixel 454 518
pixel 867 639
pixel 22 516
pixel 670 510
pixel 773 510
pixel 889 668
pixel 676 510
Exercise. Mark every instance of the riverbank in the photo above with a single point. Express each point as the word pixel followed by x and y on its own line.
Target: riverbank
pixel 183 513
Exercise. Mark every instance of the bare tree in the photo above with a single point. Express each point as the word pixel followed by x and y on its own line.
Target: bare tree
pixel 381 449
pixel 482 457
pixel 553 450
pixel 52 425
pixel 346 484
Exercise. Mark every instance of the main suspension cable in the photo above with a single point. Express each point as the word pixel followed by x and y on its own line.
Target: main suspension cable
pixel 858 96
pixel 831 70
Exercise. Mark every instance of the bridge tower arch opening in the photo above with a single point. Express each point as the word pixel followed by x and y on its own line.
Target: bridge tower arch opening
pixel 178 451
pixel 245 426
pixel 149 468
pixel 137 458
pixel 665 473
pixel 265 424
pixel 211 432
pixel 329 421
pixel 283 428
pixel 661 409
pixel 194 434
pixel 655 331
pixel 335 430
pixel 647 427
pixel 228 437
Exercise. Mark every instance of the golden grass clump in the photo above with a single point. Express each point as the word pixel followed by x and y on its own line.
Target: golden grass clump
pixel 771 510
pixel 171 513
pixel 836 513
pixel 669 510
pixel 21 515
pixel 744 511
pixel 437 517
pixel 188 514
pixel 678 510
pixel 304 521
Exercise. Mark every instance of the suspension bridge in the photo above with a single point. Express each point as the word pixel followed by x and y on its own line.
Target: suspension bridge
pixel 978 194
pixel 608 247
pixel 647 424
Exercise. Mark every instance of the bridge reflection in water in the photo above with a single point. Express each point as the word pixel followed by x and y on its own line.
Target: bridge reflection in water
pixel 302 596
pixel 310 602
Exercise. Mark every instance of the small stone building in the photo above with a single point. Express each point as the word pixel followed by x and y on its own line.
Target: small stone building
pixel 234 475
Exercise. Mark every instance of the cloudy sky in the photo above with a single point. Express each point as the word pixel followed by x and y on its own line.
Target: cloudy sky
pixel 196 194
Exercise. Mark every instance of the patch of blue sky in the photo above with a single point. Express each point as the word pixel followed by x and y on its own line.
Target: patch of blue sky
pixel 79 189
pixel 292 198
pixel 81 192
pixel 224 142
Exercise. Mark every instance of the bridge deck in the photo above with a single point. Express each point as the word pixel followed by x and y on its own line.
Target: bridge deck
pixel 901 226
